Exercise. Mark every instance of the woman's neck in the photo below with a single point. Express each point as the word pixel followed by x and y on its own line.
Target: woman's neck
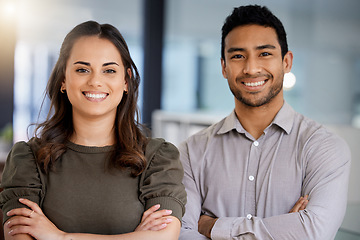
pixel 93 132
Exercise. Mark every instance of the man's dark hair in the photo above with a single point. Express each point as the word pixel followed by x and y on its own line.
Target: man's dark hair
pixel 253 14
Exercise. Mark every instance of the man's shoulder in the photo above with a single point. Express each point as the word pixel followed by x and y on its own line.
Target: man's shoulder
pixel 312 132
pixel 207 133
pixel 201 139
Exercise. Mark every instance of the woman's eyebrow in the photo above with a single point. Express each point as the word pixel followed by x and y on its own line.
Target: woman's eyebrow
pixel 83 63
pixel 110 63
pixel 88 64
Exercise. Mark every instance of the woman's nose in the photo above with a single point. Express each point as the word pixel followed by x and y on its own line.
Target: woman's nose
pixel 95 80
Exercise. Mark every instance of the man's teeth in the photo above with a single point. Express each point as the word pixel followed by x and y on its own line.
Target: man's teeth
pixel 254 84
pixel 91 95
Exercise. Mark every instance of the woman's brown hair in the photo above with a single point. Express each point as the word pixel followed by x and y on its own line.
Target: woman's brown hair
pixel 55 131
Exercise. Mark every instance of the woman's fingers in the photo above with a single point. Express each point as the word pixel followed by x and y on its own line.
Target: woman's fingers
pixel 31 205
pixel 25 212
pixel 20 230
pixel 156 215
pixel 158 224
pixel 154 219
pixel 150 211
pixel 155 225
pixel 18 220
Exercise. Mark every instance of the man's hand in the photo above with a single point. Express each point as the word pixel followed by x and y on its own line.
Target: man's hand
pixel 300 204
pixel 205 225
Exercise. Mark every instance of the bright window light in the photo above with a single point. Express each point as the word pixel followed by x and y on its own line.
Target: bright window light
pixel 289 81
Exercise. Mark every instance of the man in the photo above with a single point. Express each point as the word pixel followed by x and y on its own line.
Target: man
pixel 245 175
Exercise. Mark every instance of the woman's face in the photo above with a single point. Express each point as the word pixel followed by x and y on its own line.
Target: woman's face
pixel 94 78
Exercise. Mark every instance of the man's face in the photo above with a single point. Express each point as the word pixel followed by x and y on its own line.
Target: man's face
pixel 253 65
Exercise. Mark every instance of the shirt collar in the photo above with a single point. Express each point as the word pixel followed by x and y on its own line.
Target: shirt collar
pixel 284 119
pixel 231 122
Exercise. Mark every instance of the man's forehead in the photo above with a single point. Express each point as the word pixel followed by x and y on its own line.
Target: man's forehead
pixel 252 37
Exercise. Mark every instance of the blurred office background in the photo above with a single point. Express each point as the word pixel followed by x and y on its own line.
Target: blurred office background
pixel 176 46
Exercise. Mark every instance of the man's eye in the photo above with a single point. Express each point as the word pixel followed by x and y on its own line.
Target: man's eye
pixel 264 54
pixel 238 56
pixel 82 70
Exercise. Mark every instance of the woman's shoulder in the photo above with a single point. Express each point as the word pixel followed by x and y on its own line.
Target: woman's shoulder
pixel 158 146
pixel 22 151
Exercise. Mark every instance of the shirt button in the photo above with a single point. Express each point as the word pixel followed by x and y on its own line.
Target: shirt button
pixel 256 143
pixel 251 178
pixel 249 216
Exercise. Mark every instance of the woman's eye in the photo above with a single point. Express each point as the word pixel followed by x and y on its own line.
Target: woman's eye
pixel 109 71
pixel 82 70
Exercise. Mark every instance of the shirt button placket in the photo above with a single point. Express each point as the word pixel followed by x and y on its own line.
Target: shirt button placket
pixel 250 206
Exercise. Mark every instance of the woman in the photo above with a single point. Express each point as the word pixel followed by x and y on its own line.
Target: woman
pixel 90 173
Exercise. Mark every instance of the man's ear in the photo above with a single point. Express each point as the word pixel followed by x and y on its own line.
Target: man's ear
pixel 287 61
pixel 223 68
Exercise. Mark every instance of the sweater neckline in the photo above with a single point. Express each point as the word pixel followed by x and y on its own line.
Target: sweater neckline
pixel 89 149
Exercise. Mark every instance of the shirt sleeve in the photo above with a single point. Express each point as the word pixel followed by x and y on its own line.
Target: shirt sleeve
pixel 161 182
pixel 189 228
pixel 20 179
pixel 327 170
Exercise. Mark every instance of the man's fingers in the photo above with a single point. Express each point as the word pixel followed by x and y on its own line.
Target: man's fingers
pixel 300 204
pixel 303 206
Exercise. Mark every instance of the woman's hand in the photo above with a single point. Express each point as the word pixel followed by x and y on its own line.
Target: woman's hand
pixel 154 220
pixel 300 204
pixel 33 222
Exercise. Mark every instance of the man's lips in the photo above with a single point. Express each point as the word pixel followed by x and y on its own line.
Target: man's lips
pixel 254 84
pixel 253 81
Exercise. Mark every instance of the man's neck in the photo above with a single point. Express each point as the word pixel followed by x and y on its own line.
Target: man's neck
pixel 256 119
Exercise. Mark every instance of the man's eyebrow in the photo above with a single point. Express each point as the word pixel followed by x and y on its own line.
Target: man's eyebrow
pixel 235 49
pixel 266 46
pixel 261 47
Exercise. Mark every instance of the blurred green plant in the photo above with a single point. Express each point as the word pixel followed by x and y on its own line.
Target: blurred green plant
pixel 6 134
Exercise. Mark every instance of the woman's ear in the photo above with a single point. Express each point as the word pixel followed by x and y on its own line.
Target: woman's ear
pixel 63 87
pixel 129 73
